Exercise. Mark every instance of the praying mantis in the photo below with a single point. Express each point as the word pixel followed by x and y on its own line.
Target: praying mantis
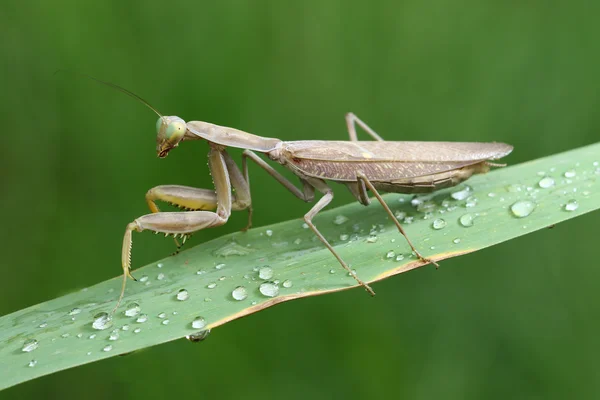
pixel 362 166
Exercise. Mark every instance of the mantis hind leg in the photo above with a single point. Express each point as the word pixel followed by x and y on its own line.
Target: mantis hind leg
pixel 351 122
pixel 322 203
pixel 363 178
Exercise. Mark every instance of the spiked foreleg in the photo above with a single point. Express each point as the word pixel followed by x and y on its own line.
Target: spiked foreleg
pixel 183 223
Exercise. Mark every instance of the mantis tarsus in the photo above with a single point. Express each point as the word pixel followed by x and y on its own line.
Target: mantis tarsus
pixel 363 166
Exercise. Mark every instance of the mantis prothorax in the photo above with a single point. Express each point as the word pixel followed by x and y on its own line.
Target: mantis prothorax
pixel 363 166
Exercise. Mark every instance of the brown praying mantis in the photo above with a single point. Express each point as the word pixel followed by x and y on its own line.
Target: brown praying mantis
pixel 363 166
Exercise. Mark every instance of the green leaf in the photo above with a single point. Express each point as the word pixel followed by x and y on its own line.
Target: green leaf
pixel 301 265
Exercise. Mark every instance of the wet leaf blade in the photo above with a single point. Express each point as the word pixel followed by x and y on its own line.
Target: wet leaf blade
pixel 294 254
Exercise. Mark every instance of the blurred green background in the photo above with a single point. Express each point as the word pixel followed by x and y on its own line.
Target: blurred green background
pixel 518 320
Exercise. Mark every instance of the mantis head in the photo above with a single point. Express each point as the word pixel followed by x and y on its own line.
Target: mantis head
pixel 169 132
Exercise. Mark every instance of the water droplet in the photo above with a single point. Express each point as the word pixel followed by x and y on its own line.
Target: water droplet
pixel 408 220
pixel 198 323
pixel 344 237
pixel 182 295
pixel 102 321
pixel 32 363
pixel 340 219
pixel 132 309
pixel 137 330
pixel 211 285
pixel 265 273
pixel 159 265
pixel 546 182
pixel 160 276
pixel 514 188
pixel 522 208
pixel 400 257
pixel 239 293
pixel 200 272
pixel 75 311
pixel 269 289
pixel 467 220
pixel 438 224
pixel 471 201
pixel 79 335
pixel 332 271
pixel 165 322
pixel 108 347
pixel 456 241
pixel 491 194
pixel 415 202
pixel 65 335
pixel 43 324
pixel 114 335
pixel 162 315
pixel 298 241
pixel 198 336
pixel 461 194
pixel 143 278
pixel 220 266
pixel 125 327
pixel 269 232
pixel 570 174
pixel 400 215
pixel 305 226
pixel 142 318
pixel 390 254
pixel 287 283
pixel 92 336
pixel 30 345
pixel 571 205
pixel 372 239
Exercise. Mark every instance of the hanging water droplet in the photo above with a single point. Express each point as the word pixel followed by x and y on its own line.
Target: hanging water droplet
pixel 108 347
pixel 75 311
pixel 102 321
pixel 522 208
pixel 211 285
pixel 287 283
pixel 137 330
pixel 165 322
pixel 390 254
pixel 340 219
pixel 30 345
pixel 198 323
pixel 467 220
pixel 220 266
pixel 461 194
pixel 570 173
pixel 269 289
pixel 198 336
pixel 142 318
pixel 546 182
pixel 143 278
pixel 456 241
pixel 239 293
pixel 571 205
pixel 32 363
pixel 132 309
pixel 182 295
pixel 114 335
pixel 265 273
pixel 160 276
pixel 438 224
